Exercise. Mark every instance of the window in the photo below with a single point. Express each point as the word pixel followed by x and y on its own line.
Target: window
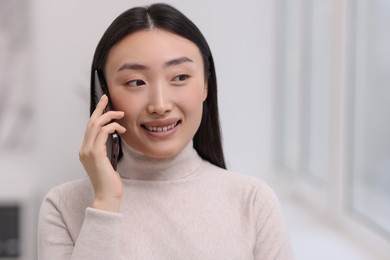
pixel 332 99
pixel 317 81
pixel 370 105
pixel 303 87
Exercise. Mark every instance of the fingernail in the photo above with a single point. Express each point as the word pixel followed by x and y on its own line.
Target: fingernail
pixel 101 98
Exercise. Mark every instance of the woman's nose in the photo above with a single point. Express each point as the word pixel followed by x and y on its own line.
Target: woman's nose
pixel 160 100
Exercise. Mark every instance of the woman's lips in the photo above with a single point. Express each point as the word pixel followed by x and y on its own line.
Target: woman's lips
pixel 160 128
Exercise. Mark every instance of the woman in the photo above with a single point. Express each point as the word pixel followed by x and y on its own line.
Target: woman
pixel 171 196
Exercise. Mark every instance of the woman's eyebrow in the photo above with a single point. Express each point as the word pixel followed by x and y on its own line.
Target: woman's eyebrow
pixel 132 66
pixel 177 61
pixel 170 63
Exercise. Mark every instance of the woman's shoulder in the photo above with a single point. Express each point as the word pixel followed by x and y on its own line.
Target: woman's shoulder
pixel 75 190
pixel 78 185
pixel 239 181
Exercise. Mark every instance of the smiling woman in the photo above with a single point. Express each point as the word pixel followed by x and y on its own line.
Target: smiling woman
pixel 163 80
pixel 171 196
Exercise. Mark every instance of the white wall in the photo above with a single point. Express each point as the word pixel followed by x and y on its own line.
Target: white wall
pixel 65 35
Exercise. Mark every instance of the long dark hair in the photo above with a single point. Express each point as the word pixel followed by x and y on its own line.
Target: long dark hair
pixel 207 140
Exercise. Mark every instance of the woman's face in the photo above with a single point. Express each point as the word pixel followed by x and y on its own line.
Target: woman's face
pixel 157 79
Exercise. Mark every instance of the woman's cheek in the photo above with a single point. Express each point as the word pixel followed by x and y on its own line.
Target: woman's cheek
pixel 129 119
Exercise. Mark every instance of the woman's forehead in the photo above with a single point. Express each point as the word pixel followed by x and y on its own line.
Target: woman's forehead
pixel 153 46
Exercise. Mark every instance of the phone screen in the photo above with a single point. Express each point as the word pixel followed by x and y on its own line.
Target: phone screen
pixel 113 142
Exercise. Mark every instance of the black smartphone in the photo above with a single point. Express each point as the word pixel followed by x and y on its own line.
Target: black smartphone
pixel 113 142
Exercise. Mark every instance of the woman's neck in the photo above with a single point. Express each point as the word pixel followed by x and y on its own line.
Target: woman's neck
pixel 137 166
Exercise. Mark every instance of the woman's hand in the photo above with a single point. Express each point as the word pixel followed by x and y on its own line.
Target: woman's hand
pixel 106 182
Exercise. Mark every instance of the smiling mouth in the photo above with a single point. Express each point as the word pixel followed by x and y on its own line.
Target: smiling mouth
pixel 159 129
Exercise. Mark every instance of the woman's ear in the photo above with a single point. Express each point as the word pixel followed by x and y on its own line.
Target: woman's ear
pixel 205 91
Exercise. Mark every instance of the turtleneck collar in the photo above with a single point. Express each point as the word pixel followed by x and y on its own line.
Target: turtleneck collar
pixel 137 166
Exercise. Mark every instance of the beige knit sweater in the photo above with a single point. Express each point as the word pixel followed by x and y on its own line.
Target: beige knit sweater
pixel 178 208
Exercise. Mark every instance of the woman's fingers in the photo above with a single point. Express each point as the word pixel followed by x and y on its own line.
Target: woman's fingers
pixel 102 137
pixel 100 125
pixel 100 106
pixel 97 147
pixel 98 120
pixel 88 136
pixel 94 125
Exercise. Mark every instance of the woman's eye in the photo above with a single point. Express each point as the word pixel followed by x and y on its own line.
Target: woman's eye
pixel 135 83
pixel 181 77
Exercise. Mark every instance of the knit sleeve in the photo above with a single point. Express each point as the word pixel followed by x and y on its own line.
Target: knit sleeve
pixel 272 239
pixel 99 236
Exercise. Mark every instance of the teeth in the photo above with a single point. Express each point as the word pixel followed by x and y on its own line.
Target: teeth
pixel 160 129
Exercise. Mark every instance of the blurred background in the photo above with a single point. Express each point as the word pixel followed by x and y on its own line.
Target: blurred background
pixel 303 91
